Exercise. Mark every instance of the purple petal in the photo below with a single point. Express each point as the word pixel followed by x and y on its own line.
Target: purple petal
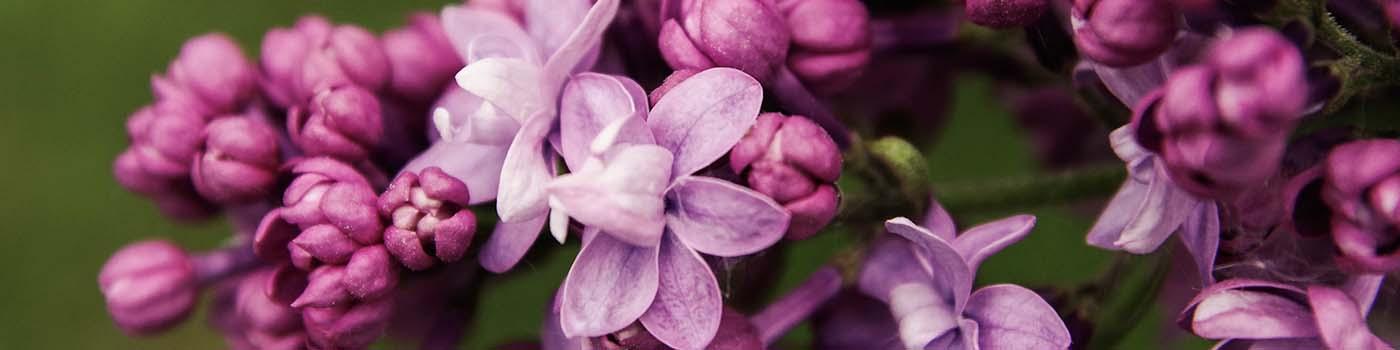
pixel 508 243
pixel 1339 320
pixel 551 336
pixel 889 263
pixel 980 242
pixel 550 22
pixel 938 221
pixel 526 173
pixel 461 116
pixel 1363 289
pixel 623 198
pixel 924 316
pixel 609 286
pixel 511 85
pixel 580 44
pixel 1270 344
pixel 1249 309
pixel 720 218
pixel 1130 84
pixel 788 311
pixel 476 165
pixel 591 102
pixel 1201 236
pixel 1013 317
pixel 951 275
pixel 701 118
pixel 1163 209
pixel 687 309
pixel 464 25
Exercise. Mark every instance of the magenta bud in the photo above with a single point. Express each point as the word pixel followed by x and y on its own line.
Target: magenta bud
pixel 284 50
pixel 324 288
pixel 131 176
pixel 370 274
pixel 1004 13
pixel 812 213
pixel 1262 86
pixel 240 160
pixel 259 311
pixel 421 58
pixel 1122 33
pixel 735 333
pixel 213 68
pixel 272 236
pixel 671 81
pixel 831 42
pixel 326 244
pixel 1362 189
pixel 749 35
pixel 149 286
pixel 327 191
pixel 348 327
pixel 285 284
pixel 794 161
pixel 167 147
pixel 344 122
pixel 350 55
pixel 181 203
pixel 429 217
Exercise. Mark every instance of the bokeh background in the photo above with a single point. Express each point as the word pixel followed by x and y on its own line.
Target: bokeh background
pixel 71 72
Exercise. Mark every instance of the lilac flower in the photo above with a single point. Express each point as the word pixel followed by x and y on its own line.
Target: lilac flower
pixel 1123 33
pixel 239 161
pixel 793 161
pixel 342 121
pixel 926 278
pixel 1003 13
pixel 645 215
pixel 151 286
pixel 509 108
pixel 1353 197
pixel 210 75
pixel 429 218
pixel 1255 314
pixel 1149 208
pixel 748 35
pixel 421 58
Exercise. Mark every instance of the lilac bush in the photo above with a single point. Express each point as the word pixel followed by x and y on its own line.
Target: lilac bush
pixel 375 184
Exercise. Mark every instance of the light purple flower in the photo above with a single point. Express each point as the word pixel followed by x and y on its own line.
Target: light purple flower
pixel 645 215
pixel 1254 314
pixel 926 276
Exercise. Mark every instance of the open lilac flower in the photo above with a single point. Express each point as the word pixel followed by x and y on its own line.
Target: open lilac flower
pixel 645 215
pixel 1149 208
pixel 1255 314
pixel 926 275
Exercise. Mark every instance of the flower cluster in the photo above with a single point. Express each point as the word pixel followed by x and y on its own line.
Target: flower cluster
pixel 373 180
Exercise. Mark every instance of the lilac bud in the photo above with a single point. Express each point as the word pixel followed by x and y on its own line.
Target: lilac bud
pixel 283 52
pixel 371 273
pixel 327 191
pixel 1122 33
pixel 167 146
pixel 420 57
pixel 323 243
pixel 129 173
pixel 239 162
pixel 352 326
pixel 430 219
pixel 149 286
pixel 180 202
pixel 344 122
pixel 349 55
pixel 213 68
pixel 261 312
pixel 1262 86
pixel 748 35
pixel 831 42
pixel 1362 189
pixel 735 333
pixel 671 81
pixel 793 161
pixel 1004 13
pixel 324 288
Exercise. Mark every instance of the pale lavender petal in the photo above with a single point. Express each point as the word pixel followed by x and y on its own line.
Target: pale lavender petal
pixel 950 273
pixel 980 242
pixel 701 118
pixel 938 221
pixel 1363 289
pixel 1164 208
pixel 1340 321
pixel 551 336
pixel 687 309
pixel 889 263
pixel 526 173
pixel 494 45
pixel 1120 211
pixel 514 86
pixel 1013 317
pixel 1129 84
pixel 609 286
pixel 623 197
pixel 460 116
pixel 1201 236
pixel 550 22
pixel 581 44
pixel 463 25
pixel 923 316
pixel 720 218
pixel 477 165
pixel 590 102
pixel 1139 160
pixel 1248 309
pixel 508 243
pixel 970 333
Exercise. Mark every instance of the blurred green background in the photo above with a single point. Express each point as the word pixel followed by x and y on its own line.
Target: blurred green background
pixel 72 71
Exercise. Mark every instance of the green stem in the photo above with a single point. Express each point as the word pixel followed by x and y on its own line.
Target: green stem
pixel 1031 191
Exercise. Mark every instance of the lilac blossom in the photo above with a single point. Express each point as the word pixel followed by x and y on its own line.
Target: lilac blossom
pixel 240 160
pixel 151 286
pixel 925 275
pixel 1352 197
pixel 429 218
pixel 248 312
pixel 831 42
pixel 793 161
pixel 1256 314
pixel 341 121
pixel 313 55
pixel 1123 33
pixel 1149 208
pixel 645 215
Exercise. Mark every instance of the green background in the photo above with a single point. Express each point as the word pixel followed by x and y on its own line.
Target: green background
pixel 70 73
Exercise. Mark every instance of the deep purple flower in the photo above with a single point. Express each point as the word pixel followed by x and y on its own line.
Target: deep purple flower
pixel 926 275
pixel 421 58
pixel 343 122
pixel 1123 33
pixel 151 286
pixel 213 73
pixel 645 215
pixel 1149 208
pixel 1254 314
pixel 749 35
pixel 1005 13
pixel 239 162
pixel 1353 197
pixel 430 221
pixel 831 42
pixel 1222 126
pixel 792 160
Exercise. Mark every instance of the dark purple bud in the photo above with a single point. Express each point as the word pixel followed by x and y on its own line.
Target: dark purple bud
pixel 285 284
pixel 371 273
pixel 323 243
pixel 429 218
pixel 240 160
pixel 353 326
pixel 212 67
pixel 350 55
pixel 831 42
pixel 149 286
pixel 749 35
pixel 182 203
pixel 343 122
pixel 273 235
pixel 420 57
pixel 1362 189
pixel 794 161
pixel 324 288
pixel 735 333
pixel 1004 13
pixel 1122 33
